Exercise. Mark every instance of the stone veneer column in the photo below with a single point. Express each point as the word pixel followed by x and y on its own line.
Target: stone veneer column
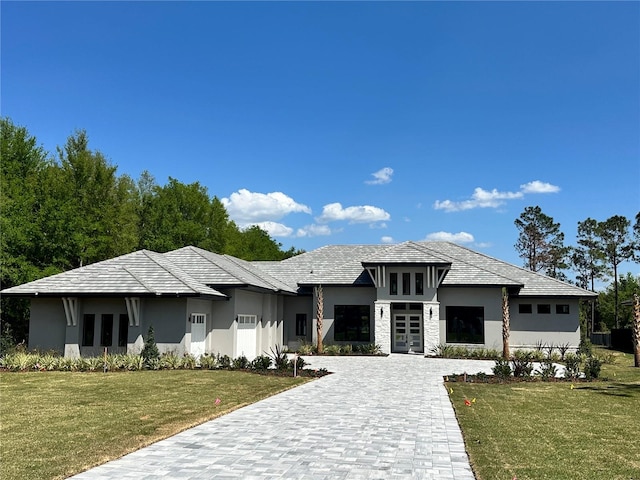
pixel 431 319
pixel 382 326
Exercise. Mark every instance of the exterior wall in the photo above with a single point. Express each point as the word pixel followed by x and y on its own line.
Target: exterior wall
pixel 342 296
pixel 98 307
pixel 169 319
pixel 527 330
pixel 384 292
pixel 48 325
pixel 247 303
pixel 489 298
pixel 291 307
pixel 382 325
pixel 221 336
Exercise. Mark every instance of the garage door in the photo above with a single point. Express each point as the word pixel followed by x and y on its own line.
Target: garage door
pixel 246 336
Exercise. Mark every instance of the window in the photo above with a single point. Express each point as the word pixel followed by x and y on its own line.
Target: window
pixel 406 284
pixel 525 308
pixel 465 324
pixel 419 283
pixel 544 308
pixel 88 327
pixel 351 323
pixel 301 324
pixel 198 318
pixel 123 330
pixel 562 309
pixel 247 319
pixel 106 330
pixel 393 288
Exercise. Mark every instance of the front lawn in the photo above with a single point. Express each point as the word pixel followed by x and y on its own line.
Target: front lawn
pixel 55 424
pixel 540 430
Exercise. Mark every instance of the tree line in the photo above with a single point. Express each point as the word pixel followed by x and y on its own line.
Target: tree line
pixel 72 208
pixel 601 246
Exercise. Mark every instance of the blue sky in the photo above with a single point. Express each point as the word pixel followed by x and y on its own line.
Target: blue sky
pixel 359 122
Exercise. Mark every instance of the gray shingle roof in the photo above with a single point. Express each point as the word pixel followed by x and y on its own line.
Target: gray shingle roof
pixel 139 273
pixel 224 270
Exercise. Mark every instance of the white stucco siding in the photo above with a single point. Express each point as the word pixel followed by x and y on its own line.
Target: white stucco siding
pixel 343 296
pixel 529 329
pixel 48 324
pixel 488 298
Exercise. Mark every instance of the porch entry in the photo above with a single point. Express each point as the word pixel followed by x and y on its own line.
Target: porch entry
pixel 198 333
pixel 407 333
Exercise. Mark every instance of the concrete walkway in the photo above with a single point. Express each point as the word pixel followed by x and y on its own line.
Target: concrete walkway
pixel 374 418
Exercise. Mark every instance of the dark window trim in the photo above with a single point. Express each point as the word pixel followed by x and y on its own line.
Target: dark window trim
pixel 88 329
pixel 544 308
pixel 465 324
pixel 525 308
pixel 406 283
pixel 106 330
pixel 393 283
pixel 123 330
pixel 563 309
pixel 301 324
pixel 419 283
pixel 352 323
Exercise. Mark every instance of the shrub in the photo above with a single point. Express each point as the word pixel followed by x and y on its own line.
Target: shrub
pixel 346 349
pixel 442 350
pixel 563 348
pixel 547 369
pixel 369 349
pixel 170 361
pixel 572 365
pixel 223 361
pixel 208 362
pixel 592 368
pixel 502 369
pixel 300 363
pixel 522 364
pixel 280 359
pixel 188 362
pixel 261 362
pixel 585 346
pixel 306 349
pixel 150 351
pixel 332 350
pixel 240 363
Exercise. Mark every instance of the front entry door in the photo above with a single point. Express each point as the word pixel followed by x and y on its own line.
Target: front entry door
pixel 407 333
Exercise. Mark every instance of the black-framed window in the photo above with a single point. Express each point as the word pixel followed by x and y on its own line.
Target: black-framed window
pixel 544 308
pixel 406 283
pixel 393 283
pixel 352 323
pixel 88 329
pixel 123 330
pixel 562 309
pixel 106 330
pixel 465 324
pixel 301 324
pixel 525 308
pixel 419 283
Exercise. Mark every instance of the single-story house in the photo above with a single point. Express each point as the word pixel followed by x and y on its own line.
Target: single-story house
pixel 408 297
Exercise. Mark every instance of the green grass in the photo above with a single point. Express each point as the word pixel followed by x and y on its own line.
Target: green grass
pixel 542 430
pixel 56 424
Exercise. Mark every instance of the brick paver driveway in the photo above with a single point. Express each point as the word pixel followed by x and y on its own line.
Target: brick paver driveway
pixel 374 418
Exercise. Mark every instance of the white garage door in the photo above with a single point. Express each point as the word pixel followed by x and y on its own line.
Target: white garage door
pixel 246 337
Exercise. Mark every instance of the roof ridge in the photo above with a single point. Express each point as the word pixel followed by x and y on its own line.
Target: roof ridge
pixel 164 267
pixel 484 269
pixel 260 276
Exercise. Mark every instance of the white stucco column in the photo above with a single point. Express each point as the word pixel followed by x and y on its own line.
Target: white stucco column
pixel 431 319
pixel 382 326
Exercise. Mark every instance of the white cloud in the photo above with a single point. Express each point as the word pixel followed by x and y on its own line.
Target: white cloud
pixel 539 187
pixel 275 229
pixel 460 237
pixel 381 177
pixel 247 207
pixel 492 199
pixel 358 214
pixel 314 231
pixel 387 239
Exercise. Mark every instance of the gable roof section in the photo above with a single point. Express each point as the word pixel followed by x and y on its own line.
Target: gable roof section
pixel 141 273
pixel 407 253
pixel 330 265
pixel 224 270
pixel 473 268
